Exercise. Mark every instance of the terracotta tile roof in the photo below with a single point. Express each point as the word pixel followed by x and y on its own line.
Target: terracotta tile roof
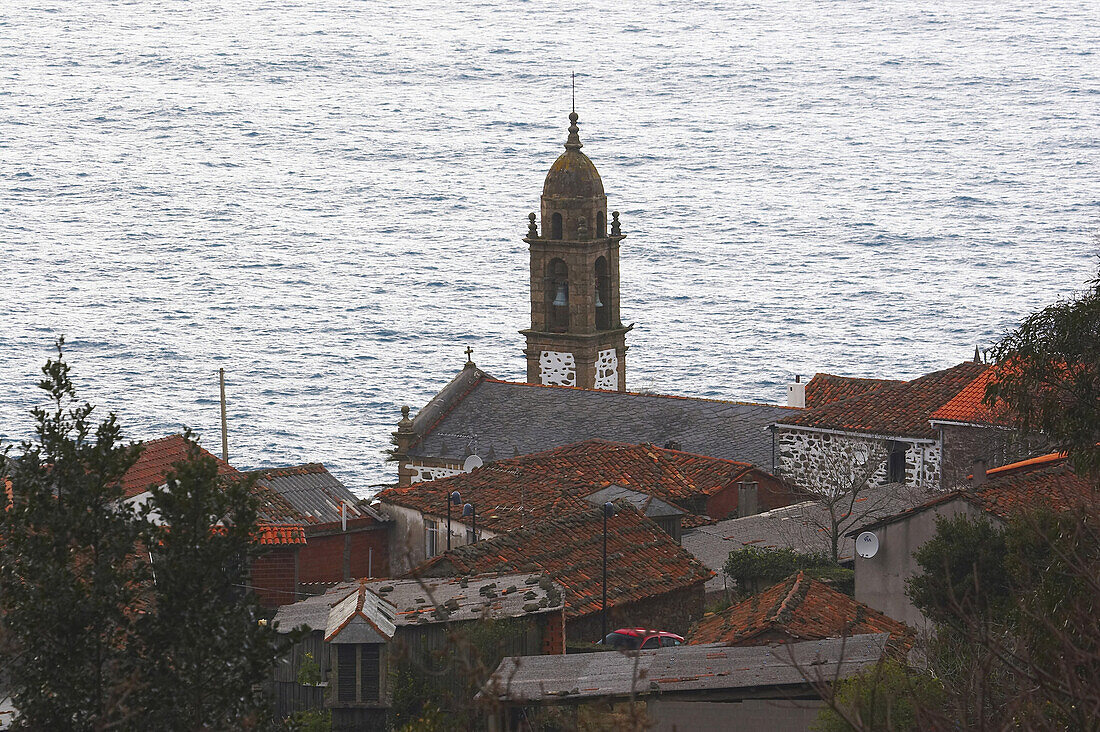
pixel 499 419
pixel 510 493
pixel 642 560
pixel 1046 481
pixel 967 406
pixel 155 462
pixel 797 609
pixel 281 534
pixel 902 409
pixel 827 388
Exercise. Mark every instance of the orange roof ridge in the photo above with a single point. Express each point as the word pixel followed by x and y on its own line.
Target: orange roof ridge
pixel 795 586
pixel 1040 460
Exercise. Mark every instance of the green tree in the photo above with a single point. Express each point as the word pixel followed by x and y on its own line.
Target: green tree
pixel 69 582
pixel 207 650
pixel 887 697
pixel 1047 374
pixel 755 568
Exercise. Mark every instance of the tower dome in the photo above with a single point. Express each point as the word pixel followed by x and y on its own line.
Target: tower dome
pixel 573 202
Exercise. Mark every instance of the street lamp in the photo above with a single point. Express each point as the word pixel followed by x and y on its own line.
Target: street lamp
pixel 608 511
pixel 469 510
pixel 452 500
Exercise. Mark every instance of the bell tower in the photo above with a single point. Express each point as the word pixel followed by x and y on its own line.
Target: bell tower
pixel 576 337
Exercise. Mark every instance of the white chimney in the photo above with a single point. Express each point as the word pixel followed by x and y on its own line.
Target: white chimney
pixel 796 393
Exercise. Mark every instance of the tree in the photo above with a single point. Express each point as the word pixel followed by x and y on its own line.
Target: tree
pixel 887 696
pixel 207 650
pixel 1047 375
pixel 69 581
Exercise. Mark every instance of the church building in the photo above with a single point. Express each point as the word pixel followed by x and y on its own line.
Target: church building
pixel 576 350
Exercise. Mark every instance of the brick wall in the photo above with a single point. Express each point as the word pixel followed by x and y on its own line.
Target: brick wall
pixel 274 576
pixel 771 493
pixel 553 639
pixel 322 559
pixel 673 611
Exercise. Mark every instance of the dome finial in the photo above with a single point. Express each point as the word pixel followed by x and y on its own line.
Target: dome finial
pixel 573 142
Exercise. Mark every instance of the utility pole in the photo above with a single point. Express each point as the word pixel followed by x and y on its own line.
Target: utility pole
pixel 225 425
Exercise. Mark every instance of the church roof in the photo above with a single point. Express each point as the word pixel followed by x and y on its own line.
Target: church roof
pixel 501 419
pixel 573 175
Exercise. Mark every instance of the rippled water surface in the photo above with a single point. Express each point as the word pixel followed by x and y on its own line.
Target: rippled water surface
pixel 328 198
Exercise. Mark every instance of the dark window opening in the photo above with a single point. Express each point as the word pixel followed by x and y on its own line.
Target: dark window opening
pixel 603 295
pixel 557 296
pixel 601 224
pixel 369 673
pixel 345 672
pixel 358 672
pixel 555 226
pixel 895 464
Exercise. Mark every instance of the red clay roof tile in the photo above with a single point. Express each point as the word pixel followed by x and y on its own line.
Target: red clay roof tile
pixel 901 409
pixel 642 560
pixel 799 608
pixel 826 388
pixel 967 406
pixel 155 462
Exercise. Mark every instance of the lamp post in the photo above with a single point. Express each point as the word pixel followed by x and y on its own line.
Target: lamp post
pixel 469 510
pixel 608 511
pixel 452 500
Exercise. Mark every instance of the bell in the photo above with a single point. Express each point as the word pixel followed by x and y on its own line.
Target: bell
pixel 561 299
pixel 599 302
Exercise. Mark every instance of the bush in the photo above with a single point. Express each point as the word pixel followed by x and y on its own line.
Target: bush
pixel 887 697
pixel 755 569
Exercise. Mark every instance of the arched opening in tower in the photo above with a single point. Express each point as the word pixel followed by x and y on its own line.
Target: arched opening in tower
pixel 603 295
pixel 557 295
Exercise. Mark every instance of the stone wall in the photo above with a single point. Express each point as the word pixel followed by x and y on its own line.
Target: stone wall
pixel 820 459
pixel 963 444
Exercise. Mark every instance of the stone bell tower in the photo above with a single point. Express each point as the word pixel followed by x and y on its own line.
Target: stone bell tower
pixel 576 337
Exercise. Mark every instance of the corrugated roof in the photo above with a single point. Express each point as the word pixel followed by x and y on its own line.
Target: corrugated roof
pixel 498 419
pixel 315 493
pixel 582 676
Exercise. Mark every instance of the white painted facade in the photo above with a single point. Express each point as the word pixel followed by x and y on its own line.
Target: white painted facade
pixel 607 370
pixel 557 368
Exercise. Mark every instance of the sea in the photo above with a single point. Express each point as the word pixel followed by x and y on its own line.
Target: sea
pixel 328 198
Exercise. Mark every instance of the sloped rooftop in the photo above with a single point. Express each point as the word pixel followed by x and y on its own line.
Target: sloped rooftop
pixel 966 407
pixel 799 608
pixel 427 600
pixel 496 419
pixel 901 409
pixel 584 676
pixel 314 493
pixel 826 388
pixel 156 460
pixel 512 493
pixel 642 560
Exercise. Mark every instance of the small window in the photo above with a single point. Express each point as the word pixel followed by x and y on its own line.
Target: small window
pixel 601 224
pixel 555 226
pixel 358 672
pixel 431 537
pixel 895 466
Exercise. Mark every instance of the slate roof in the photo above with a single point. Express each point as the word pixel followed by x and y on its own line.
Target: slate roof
pixel 432 600
pixel 902 409
pixel 584 676
pixel 511 493
pixel 799 608
pixel 796 526
pixel 642 560
pixel 498 419
pixel 827 388
pixel 156 460
pixel 314 493
pixel 1046 481
pixel 966 407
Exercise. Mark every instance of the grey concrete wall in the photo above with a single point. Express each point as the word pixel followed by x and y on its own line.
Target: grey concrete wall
pixel 774 715
pixel 880 580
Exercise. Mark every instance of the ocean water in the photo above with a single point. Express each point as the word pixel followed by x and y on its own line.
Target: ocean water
pixel 327 199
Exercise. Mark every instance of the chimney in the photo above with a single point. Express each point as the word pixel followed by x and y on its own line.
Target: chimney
pixel 796 393
pixel 978 478
pixel 747 499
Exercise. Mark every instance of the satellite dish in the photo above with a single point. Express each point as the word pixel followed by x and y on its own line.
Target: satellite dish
pixel 472 462
pixel 866 545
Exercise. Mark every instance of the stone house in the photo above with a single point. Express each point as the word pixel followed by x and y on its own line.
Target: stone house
pixel 359 634
pixel 651 581
pixel 888 425
pixel 513 493
pixel 1047 480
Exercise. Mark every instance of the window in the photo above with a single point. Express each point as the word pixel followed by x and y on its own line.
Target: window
pixel 668 641
pixel 557 296
pixel 358 672
pixel 895 464
pixel 555 226
pixel 603 295
pixel 431 537
pixel 650 642
pixel 601 224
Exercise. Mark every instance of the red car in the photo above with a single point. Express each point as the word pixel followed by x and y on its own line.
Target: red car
pixel 632 639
